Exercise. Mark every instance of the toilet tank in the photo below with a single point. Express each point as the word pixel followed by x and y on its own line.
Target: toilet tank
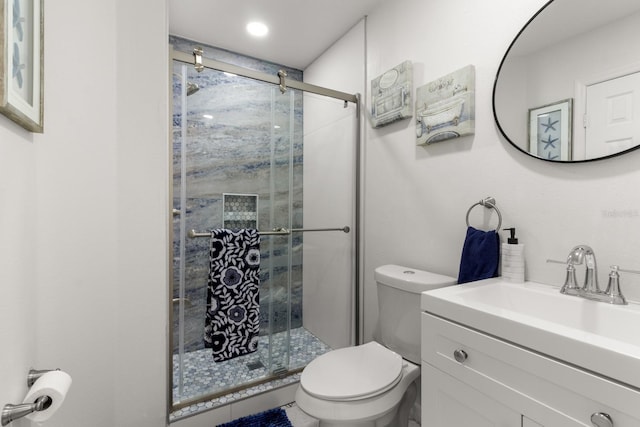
pixel 399 290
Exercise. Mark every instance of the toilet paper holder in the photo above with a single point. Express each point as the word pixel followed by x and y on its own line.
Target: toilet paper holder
pixel 13 412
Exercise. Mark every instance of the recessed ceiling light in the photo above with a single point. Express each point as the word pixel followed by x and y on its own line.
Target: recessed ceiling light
pixel 257 29
pixel 207 116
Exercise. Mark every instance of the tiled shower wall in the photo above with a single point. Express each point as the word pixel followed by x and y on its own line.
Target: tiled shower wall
pixel 242 153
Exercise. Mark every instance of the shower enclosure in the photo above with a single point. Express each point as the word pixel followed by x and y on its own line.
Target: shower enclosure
pixel 255 152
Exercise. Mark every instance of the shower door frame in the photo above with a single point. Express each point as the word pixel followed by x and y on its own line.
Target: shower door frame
pixel 197 61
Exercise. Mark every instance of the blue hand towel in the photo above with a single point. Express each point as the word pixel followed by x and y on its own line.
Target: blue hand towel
pixel 233 307
pixel 480 255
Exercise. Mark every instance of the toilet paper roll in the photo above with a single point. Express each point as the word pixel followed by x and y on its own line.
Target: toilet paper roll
pixel 54 384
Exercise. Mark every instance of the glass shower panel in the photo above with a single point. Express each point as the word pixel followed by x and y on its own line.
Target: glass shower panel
pixel 236 152
pixel 286 191
pixel 330 133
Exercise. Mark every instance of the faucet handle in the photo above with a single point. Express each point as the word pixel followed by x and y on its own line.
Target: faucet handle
pixel 570 286
pixel 613 292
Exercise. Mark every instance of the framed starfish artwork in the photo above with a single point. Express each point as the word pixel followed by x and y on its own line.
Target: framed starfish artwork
pixel 550 130
pixel 21 62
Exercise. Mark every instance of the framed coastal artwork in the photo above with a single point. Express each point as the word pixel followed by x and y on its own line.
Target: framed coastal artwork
pixel 391 95
pixel 21 62
pixel 445 107
pixel 550 130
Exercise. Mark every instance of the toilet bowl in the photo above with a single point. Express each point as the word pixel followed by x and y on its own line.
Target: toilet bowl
pixel 356 386
pixel 374 384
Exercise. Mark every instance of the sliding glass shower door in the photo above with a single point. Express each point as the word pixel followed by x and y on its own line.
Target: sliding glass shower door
pixel 237 163
pixel 247 155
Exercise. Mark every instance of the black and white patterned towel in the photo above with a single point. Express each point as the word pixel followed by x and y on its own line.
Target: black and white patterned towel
pixel 233 304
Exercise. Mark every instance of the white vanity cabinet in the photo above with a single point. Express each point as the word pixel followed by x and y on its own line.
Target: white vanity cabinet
pixel 471 379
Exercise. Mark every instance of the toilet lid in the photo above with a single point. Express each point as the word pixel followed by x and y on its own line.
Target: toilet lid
pixel 352 373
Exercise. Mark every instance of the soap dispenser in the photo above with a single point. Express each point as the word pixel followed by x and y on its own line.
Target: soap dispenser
pixel 513 258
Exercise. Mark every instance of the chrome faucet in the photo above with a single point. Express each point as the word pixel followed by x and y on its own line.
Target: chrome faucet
pixel 578 255
pixel 583 254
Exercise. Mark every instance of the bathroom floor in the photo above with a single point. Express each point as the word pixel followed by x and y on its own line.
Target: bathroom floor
pixel 299 418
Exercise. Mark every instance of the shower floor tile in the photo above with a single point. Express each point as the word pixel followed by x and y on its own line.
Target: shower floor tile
pixel 202 376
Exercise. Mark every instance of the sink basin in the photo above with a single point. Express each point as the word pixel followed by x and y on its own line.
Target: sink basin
pixel 597 336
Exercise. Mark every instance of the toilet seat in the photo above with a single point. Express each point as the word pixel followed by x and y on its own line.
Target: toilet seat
pixel 352 373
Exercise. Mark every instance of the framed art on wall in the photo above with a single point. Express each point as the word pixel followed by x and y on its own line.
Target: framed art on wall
pixel 550 130
pixel 391 95
pixel 21 62
pixel 445 107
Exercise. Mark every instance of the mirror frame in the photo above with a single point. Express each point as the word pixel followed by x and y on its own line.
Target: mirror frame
pixel 495 114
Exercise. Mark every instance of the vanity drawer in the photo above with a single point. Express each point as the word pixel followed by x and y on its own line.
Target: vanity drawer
pixel 544 389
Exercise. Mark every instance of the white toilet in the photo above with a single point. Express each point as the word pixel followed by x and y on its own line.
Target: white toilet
pixel 374 384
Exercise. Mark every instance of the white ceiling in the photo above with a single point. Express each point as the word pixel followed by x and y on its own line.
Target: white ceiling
pixel 299 30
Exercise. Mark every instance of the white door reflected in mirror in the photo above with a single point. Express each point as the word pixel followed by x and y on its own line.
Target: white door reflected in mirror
pixel 612 119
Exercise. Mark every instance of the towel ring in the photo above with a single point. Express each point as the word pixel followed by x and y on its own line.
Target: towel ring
pixel 489 203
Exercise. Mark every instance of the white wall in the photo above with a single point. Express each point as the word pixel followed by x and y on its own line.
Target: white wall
pixel 143 206
pixel 75 211
pixel 416 198
pixel 17 259
pixel 84 214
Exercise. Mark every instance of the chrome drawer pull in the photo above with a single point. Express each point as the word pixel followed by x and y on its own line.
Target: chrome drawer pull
pixel 600 419
pixel 460 355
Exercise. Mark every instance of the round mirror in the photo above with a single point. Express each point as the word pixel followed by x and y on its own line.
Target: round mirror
pixel 568 87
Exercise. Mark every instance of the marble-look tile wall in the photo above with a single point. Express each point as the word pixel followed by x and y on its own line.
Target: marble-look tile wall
pixel 241 136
